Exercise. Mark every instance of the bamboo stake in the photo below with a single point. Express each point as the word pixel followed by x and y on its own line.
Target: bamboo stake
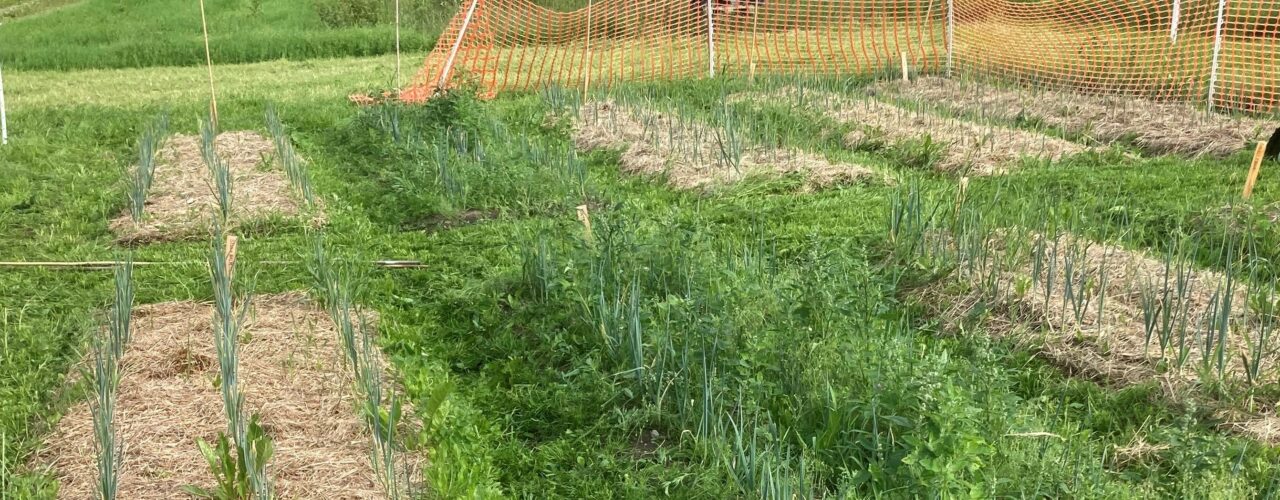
pixel 1258 154
pixel 905 76
pixel 108 264
pixel 208 61
pixel 397 45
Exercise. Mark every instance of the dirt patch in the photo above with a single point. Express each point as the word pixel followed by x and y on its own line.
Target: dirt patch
pixel 695 156
pixel 292 372
pixel 1155 127
pixel 964 146
pixel 441 222
pixel 1105 335
pixel 181 201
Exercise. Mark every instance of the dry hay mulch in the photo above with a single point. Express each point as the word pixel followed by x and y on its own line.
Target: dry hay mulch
pixel 689 153
pixel 1108 344
pixel 181 202
pixel 1155 127
pixel 966 146
pixel 292 373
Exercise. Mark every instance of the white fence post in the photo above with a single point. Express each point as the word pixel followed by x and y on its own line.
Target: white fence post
pixel 453 53
pixel 711 41
pixel 951 33
pixel 1173 23
pixel 1217 51
pixel 4 122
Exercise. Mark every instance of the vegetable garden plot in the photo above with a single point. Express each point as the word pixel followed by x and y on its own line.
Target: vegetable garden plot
pixel 291 367
pixel 181 200
pixel 1116 314
pixel 693 155
pixel 1155 127
pixel 964 146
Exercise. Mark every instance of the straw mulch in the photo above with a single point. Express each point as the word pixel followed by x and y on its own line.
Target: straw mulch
pixel 1155 127
pixel 181 202
pixel 292 372
pixel 965 147
pixel 1108 345
pixel 689 154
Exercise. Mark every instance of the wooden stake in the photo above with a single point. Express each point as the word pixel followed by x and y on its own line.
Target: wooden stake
pixel 905 76
pixel 1258 154
pixel 584 216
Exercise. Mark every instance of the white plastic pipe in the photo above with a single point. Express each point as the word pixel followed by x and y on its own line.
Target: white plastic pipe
pixel 453 52
pixel 4 122
pixel 951 33
pixel 1217 50
pixel 711 41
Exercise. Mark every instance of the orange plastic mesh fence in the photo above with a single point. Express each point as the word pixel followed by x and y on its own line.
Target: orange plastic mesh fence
pixel 1226 52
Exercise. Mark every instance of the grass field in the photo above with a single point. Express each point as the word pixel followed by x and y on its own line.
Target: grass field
pixel 576 331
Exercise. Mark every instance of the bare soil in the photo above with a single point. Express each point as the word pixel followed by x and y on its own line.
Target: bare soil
pixel 292 372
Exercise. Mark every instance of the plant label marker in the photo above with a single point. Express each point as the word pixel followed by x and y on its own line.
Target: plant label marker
pixel 584 216
pixel 1258 154
pixel 231 255
pixel 905 76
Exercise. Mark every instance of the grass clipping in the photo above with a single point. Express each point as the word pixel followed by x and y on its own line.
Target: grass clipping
pixel 1106 337
pixel 692 155
pixel 964 146
pixel 181 201
pixel 1155 127
pixel 292 372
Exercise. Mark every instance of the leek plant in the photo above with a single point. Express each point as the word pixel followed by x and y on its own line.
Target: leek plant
pixel 239 458
pixel 139 181
pixel 107 349
pixel 219 170
pixel 294 168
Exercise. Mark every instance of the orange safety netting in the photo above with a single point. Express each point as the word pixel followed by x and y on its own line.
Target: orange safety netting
pixel 1222 51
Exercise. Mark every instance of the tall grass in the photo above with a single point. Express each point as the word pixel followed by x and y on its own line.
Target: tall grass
pixel 107 349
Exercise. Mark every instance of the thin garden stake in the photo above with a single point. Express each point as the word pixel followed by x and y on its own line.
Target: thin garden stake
pixel 951 33
pixel 4 123
pixel 208 61
pixel 586 56
pixel 397 45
